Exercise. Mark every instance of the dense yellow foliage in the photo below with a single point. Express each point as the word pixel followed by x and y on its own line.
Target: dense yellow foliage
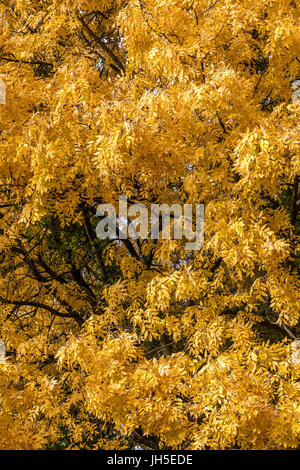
pixel 111 344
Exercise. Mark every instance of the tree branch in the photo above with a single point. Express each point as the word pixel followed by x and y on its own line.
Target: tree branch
pixel 102 44
pixel 91 238
pixel 30 263
pixel 30 303
pixel 27 62
pixel 54 276
pixel 294 207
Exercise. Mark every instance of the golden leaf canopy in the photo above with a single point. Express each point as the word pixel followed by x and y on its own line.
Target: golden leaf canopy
pixel 113 344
